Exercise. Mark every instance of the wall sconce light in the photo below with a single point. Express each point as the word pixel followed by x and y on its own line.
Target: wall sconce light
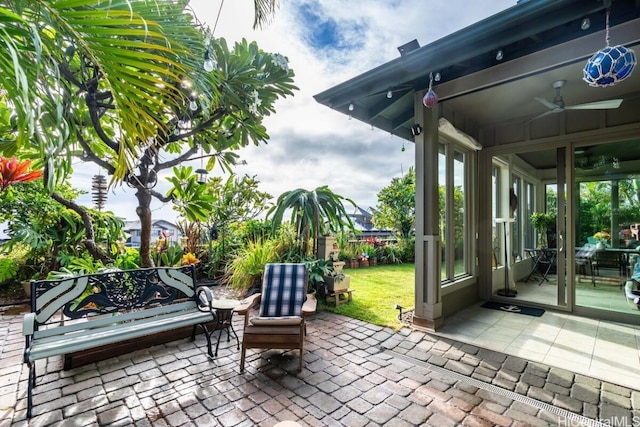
pixel 437 77
pixel 416 129
pixel 499 55
pixel 351 107
pixel 389 94
pixel 585 24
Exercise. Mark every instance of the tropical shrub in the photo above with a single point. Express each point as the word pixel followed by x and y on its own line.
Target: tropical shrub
pixel 129 259
pixel 407 249
pixel 8 269
pixel 390 254
pixel 13 263
pixel 244 272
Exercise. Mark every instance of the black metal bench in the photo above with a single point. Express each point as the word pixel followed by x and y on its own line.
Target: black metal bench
pixel 79 313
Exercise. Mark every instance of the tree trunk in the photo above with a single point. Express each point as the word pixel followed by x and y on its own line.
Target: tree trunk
pixel 89 241
pixel 144 213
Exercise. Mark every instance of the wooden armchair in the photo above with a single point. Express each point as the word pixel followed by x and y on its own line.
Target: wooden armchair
pixel 284 304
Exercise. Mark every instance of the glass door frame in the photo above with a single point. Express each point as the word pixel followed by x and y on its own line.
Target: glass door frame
pixel 563 180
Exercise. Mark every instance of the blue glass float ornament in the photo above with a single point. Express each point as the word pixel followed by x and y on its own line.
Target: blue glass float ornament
pixel 609 66
pixel 430 98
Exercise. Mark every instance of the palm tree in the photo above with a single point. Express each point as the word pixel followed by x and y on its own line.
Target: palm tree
pixel 265 9
pixel 312 212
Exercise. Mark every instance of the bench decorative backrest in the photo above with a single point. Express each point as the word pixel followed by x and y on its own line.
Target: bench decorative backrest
pixel 111 292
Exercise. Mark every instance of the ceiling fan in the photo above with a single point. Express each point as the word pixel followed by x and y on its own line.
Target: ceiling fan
pixel 558 105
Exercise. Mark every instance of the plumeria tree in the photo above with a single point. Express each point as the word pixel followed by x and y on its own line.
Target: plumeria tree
pixel 226 205
pixel 134 87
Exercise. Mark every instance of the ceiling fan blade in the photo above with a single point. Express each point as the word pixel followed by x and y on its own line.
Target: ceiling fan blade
pixel 544 114
pixel 549 105
pixel 598 105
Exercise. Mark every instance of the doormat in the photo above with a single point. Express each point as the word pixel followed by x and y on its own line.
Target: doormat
pixel 510 308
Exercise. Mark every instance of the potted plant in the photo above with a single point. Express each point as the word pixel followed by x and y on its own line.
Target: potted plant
pixel 336 280
pixel 541 222
pixel 348 255
pixel 319 269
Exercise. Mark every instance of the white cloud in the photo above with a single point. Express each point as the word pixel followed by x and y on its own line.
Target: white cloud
pixel 311 145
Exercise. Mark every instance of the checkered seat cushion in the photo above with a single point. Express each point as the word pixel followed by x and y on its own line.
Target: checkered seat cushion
pixel 284 289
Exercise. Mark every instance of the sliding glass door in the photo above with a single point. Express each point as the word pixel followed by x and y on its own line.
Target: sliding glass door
pixel 607 226
pixel 530 255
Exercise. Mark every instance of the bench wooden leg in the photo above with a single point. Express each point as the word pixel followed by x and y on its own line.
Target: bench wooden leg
pixel 242 354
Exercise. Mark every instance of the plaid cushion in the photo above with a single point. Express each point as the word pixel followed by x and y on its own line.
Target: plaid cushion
pixel 284 287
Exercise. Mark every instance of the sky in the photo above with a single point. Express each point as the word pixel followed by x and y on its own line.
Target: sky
pixel 326 42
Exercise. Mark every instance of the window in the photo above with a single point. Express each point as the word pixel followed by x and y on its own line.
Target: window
pixel 514 211
pixel 455 212
pixel 512 196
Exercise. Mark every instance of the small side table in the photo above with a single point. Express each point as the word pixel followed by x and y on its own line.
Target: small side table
pixel 337 294
pixel 224 314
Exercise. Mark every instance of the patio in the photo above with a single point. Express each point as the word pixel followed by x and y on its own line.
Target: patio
pixel 355 374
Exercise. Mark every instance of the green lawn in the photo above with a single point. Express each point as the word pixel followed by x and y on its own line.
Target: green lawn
pixel 376 291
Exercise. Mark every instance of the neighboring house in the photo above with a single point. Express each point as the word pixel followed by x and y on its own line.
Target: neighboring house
pixel 500 109
pixel 361 219
pixel 4 237
pixel 132 230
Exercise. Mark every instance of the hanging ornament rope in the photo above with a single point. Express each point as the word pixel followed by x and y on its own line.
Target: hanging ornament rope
pixel 430 98
pixel 610 65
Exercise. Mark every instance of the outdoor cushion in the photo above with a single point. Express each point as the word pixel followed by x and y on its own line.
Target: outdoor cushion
pixel 284 289
pixel 276 321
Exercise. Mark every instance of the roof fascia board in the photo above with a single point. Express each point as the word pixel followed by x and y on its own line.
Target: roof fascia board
pixel 538 62
pixel 510 25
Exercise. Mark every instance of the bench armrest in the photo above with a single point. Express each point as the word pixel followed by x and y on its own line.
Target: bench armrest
pixel 28 324
pixel 310 305
pixel 204 298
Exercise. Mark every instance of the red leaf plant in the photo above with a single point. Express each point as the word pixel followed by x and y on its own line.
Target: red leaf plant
pixel 12 171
